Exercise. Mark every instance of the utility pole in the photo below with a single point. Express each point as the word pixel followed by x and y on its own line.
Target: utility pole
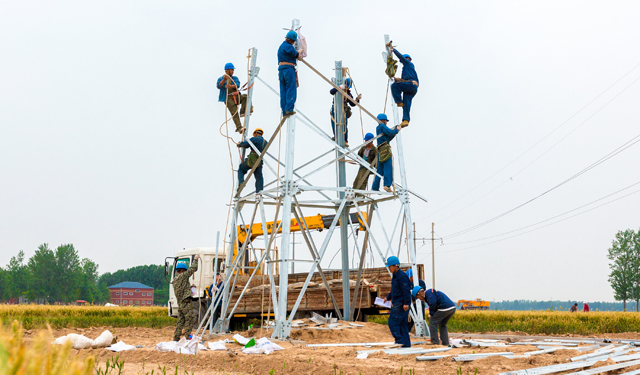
pixel 433 255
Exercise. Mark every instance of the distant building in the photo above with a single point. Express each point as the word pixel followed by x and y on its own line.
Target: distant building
pixel 131 293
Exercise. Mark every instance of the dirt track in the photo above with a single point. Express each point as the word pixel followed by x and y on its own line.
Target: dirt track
pixel 296 354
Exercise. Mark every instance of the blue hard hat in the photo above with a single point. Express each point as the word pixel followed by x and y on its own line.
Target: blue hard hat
pixel 416 290
pixel 382 116
pixel 181 266
pixel 409 272
pixel 368 136
pixel 292 35
pixel 406 56
pixel 348 82
pixel 228 66
pixel 393 261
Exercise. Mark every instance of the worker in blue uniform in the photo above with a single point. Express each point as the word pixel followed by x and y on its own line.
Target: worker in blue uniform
pixel 230 94
pixel 385 158
pixel 248 163
pixel 441 309
pixel 400 298
pixel 287 56
pixel 413 299
pixel 406 87
pixel 348 102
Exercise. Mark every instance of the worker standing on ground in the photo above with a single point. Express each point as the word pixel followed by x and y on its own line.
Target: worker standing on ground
pixel 230 95
pixel 400 298
pixel 385 159
pixel 287 56
pixel 441 309
pixel 413 298
pixel 348 102
pixel 182 289
pixel 406 87
pixel 215 289
pixel 585 308
pixel 368 152
pixel 574 308
pixel 251 159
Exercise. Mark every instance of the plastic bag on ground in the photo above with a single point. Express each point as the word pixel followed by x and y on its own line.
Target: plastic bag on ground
pixel 240 339
pixel 263 346
pixel 219 345
pixel 83 342
pixel 120 347
pixel 183 346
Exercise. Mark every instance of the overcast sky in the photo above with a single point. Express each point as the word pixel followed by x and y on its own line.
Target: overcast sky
pixel 109 127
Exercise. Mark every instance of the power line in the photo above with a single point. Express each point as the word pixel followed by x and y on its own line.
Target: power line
pixel 538 142
pixel 613 153
pixel 551 218
pixel 544 226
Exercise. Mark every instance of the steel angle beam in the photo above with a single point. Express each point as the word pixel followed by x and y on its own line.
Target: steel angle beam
pixel 604 369
pixel 406 351
pixel 432 357
pixel 551 369
pixel 473 357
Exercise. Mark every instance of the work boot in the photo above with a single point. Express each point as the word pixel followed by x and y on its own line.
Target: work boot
pixel 387 189
pixel 241 129
pixel 404 123
pixel 242 114
pixel 400 105
pixel 346 144
pixel 289 114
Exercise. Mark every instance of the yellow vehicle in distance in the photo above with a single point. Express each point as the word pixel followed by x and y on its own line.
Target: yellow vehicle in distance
pixel 476 304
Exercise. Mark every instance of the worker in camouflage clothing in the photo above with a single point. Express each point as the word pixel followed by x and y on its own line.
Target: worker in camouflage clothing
pixel 182 289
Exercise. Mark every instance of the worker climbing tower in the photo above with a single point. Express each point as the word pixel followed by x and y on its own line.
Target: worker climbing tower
pixel 302 188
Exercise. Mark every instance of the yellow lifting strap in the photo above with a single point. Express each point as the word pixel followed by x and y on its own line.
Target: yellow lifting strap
pixel 392 66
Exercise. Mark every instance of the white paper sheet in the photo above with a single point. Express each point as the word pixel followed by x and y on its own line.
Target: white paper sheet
pixel 120 347
pixel 380 302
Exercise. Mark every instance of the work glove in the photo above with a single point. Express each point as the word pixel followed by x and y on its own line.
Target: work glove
pixel 359 97
pixel 343 87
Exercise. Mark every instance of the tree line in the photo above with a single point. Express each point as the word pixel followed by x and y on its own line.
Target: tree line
pixel 60 276
pixel 624 255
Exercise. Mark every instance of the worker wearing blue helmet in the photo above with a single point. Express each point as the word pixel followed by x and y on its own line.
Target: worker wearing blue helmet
pixel 182 291
pixel 413 298
pixel 400 298
pixel 406 87
pixel 441 309
pixel 385 159
pixel 287 59
pixel 230 94
pixel 369 153
pixel 348 102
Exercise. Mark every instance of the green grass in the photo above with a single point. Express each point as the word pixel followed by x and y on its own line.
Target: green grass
pixel 38 316
pixel 539 322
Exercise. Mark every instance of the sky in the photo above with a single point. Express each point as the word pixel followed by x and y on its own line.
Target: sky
pixel 110 128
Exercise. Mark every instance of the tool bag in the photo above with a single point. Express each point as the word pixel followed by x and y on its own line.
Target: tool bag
pixel 384 152
pixel 347 111
pixel 253 157
pixel 392 66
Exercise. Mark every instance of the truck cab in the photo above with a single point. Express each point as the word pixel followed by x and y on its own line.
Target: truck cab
pixel 201 279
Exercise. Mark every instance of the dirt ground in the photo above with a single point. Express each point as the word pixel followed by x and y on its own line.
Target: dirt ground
pixel 332 360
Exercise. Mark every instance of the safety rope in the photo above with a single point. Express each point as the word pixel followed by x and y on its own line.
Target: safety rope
pixel 355 88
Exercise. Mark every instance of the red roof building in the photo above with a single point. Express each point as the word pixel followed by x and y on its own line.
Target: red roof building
pixel 131 294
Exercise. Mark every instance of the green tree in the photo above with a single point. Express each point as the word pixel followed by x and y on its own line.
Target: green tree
pixel 635 249
pixel 151 275
pixel 623 266
pixel 42 266
pixel 89 290
pixel 68 273
pixel 4 284
pixel 18 276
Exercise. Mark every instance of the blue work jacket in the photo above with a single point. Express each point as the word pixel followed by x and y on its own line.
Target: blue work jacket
pixel 400 289
pixel 222 97
pixel 286 53
pixel 351 102
pixel 408 69
pixel 211 293
pixel 387 134
pixel 258 141
pixel 437 301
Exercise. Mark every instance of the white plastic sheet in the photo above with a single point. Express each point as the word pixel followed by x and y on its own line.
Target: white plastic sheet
pixel 263 346
pixel 120 347
pixel 219 345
